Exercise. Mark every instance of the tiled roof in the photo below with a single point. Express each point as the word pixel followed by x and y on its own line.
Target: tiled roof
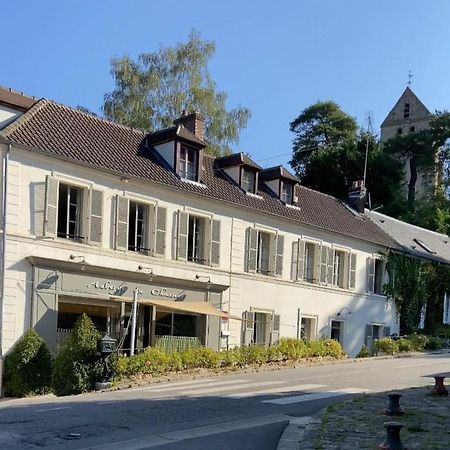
pixel 414 240
pixel 76 136
pixel 17 100
pixel 175 132
pixel 272 173
pixel 236 159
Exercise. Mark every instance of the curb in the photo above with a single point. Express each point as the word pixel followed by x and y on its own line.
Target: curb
pixel 294 431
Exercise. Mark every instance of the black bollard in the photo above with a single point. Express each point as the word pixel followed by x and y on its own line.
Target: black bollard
pixel 394 405
pixel 392 441
pixel 439 388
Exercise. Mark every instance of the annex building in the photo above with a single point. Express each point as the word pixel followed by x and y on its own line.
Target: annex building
pixel 93 212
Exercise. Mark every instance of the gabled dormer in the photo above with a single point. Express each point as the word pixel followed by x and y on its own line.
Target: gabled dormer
pixel 181 146
pixel 242 170
pixel 281 182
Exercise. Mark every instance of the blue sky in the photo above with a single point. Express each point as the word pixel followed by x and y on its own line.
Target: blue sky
pixel 275 57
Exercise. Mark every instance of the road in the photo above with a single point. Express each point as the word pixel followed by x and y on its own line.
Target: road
pixel 237 411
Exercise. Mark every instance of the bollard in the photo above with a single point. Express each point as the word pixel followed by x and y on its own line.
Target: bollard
pixel 394 408
pixel 392 441
pixel 439 388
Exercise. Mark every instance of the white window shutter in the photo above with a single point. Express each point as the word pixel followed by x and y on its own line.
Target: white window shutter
pixel 252 249
pixel 248 326
pixel 275 329
pixel 215 242
pixel 51 207
pixel 160 231
pixel 352 271
pixel 279 249
pixel 323 264
pixel 370 275
pixel 95 217
pixel 122 212
pixel 182 241
pixel 301 259
pixel 294 260
pixel 330 265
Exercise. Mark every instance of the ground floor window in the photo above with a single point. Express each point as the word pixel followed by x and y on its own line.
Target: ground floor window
pixel 308 328
pixel 337 330
pixel 261 330
pixel 174 324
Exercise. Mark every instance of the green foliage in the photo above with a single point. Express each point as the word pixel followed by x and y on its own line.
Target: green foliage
pixel 404 345
pixel 433 343
pixel 418 341
pixel 385 345
pixel 200 357
pixel 28 367
pixel 152 91
pixel 77 363
pixel 363 353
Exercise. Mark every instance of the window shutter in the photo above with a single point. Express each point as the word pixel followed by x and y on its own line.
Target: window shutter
pixel 352 273
pixel 275 329
pixel 370 275
pixel 387 331
pixel 248 327
pixel 160 231
pixel 323 264
pixel 294 260
pixel 95 217
pixel 252 249
pixel 301 259
pixel 215 242
pixel 330 265
pixel 183 229
pixel 369 338
pixel 51 207
pixel 122 212
pixel 279 248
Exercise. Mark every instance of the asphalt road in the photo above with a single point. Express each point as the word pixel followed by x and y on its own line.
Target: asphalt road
pixel 236 411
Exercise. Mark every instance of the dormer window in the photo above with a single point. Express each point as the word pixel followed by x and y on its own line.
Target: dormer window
pixel 287 193
pixel 188 163
pixel 248 180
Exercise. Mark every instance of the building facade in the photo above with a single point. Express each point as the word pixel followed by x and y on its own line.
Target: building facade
pixel 96 213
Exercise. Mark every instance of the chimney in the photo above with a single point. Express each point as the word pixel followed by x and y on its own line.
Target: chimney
pixel 193 121
pixel 357 196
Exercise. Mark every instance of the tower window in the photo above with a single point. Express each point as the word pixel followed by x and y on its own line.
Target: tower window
pixel 412 129
pixel 406 111
pixel 399 131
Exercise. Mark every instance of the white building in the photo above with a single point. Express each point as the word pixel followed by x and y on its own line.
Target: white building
pixel 95 210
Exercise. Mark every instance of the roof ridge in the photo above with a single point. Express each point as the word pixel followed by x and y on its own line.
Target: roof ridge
pixel 24 117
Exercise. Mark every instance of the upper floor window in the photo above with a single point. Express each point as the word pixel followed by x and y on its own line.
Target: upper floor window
pixel 375 275
pixel 188 163
pixel 73 212
pixel 287 193
pixel 339 266
pixel 138 227
pixel 198 239
pixel 70 202
pixel 264 252
pixel 406 111
pixel 248 180
pixel 310 262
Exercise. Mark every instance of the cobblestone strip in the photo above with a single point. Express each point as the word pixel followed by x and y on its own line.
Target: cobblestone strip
pixel 293 433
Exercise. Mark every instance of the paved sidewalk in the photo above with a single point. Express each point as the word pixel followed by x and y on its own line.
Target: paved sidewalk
pixel 358 423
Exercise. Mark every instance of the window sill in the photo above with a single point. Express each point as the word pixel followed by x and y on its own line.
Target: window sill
pixel 293 206
pixel 195 183
pixel 251 194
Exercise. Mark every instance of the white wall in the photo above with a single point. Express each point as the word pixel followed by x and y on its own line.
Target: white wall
pixel 26 185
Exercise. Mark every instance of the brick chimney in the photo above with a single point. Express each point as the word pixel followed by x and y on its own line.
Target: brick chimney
pixel 194 122
pixel 357 196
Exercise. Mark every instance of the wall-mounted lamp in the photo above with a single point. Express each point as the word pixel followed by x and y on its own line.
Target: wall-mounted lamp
pixel 124 179
pixel 147 270
pixel 204 279
pixel 79 259
pixel 341 311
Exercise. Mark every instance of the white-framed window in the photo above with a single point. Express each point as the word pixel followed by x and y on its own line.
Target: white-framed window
pixel 72 211
pixel 287 193
pixel 138 227
pixel 310 264
pixel 188 163
pixel 264 252
pixel 261 327
pixel 339 268
pixel 248 180
pixel 337 330
pixel 198 239
pixel 376 275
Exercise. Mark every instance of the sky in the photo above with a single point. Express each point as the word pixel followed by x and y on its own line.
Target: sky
pixel 274 57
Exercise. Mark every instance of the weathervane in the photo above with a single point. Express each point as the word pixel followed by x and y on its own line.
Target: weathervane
pixel 410 75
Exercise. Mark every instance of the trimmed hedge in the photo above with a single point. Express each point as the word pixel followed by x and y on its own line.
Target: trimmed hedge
pixel 153 361
pixel 413 342
pixel 28 368
pixel 77 362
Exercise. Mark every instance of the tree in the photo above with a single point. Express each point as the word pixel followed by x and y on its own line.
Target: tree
pixel 320 126
pixel 152 91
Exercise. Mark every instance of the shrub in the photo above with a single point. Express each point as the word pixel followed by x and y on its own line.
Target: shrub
pixel 252 354
pixel 77 363
pixel 292 349
pixel 433 343
pixel 363 353
pixel 404 345
pixel 385 345
pixel 200 357
pixel 28 368
pixel 418 341
pixel 324 347
pixel 230 357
